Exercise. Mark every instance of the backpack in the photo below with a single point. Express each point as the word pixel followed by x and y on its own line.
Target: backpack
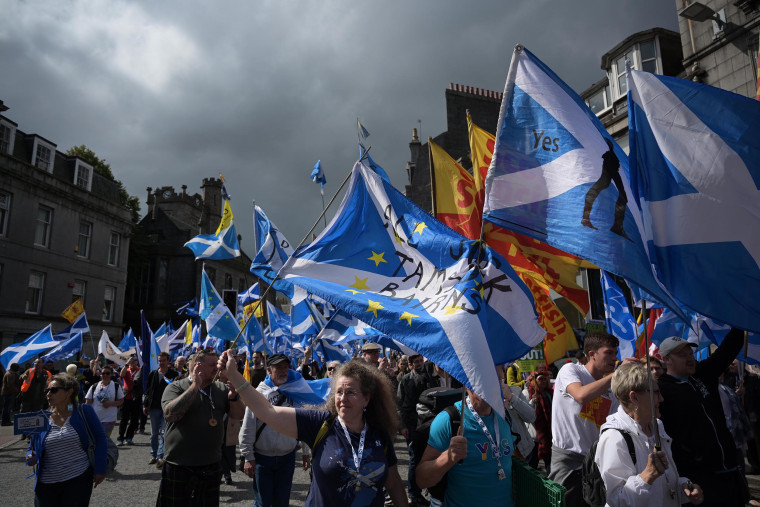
pixel 420 442
pixel 594 491
pixel 112 452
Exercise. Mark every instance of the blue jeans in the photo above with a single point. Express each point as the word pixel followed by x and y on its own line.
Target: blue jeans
pixel 273 479
pixel 156 432
pixel 7 408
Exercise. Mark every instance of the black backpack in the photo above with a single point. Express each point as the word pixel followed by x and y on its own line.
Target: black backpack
pixel 420 442
pixel 594 491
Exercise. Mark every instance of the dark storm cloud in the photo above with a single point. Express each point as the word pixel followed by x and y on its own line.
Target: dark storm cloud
pixel 173 92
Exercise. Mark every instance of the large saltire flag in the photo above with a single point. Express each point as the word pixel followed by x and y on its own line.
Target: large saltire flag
pixel 457 203
pixel 558 176
pixel 272 250
pixel 80 325
pixel 223 244
pixel 695 172
pixel 388 262
pixel 21 352
pixel 65 349
pixel 620 321
pixel 220 323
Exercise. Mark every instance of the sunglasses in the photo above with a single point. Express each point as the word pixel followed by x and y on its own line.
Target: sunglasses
pixel 331 368
pixel 52 390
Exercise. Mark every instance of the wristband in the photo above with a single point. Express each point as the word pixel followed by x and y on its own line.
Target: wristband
pixel 242 386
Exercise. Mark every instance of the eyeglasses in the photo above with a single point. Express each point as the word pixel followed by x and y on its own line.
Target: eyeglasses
pixel 331 368
pixel 52 390
pixel 348 393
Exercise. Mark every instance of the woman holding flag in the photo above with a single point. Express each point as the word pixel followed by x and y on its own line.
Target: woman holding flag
pixel 353 459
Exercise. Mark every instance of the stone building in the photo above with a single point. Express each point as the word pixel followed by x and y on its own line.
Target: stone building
pixel 64 235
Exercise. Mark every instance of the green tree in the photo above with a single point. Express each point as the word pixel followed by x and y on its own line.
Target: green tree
pixel 100 166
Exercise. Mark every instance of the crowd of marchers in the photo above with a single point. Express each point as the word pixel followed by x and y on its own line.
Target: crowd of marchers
pixel 663 430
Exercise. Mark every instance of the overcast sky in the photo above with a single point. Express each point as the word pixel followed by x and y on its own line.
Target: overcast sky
pixel 172 92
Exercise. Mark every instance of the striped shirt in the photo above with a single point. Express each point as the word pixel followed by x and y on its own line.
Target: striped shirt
pixel 64 457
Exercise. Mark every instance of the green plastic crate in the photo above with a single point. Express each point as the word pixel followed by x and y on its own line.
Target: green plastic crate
pixel 531 489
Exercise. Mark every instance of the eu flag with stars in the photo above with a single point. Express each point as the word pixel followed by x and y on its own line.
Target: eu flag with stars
pixel 385 260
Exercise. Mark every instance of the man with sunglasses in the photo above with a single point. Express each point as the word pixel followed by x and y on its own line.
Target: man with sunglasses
pixel 692 413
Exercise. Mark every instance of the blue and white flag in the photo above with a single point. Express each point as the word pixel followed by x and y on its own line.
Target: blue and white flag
pixel 299 390
pixel 332 352
pixel 220 323
pixel 190 308
pixel 129 341
pixel 272 250
pixel 620 321
pixel 66 349
pixel 279 321
pixel 148 357
pixel 385 260
pixel 251 339
pixel 175 340
pixel 305 318
pixel 557 176
pixel 223 244
pixel 318 176
pixel 246 298
pixel 695 172
pixel 215 344
pixel 21 352
pixel 343 329
pixel 80 325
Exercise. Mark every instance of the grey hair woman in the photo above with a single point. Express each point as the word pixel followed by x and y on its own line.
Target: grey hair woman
pixel 651 478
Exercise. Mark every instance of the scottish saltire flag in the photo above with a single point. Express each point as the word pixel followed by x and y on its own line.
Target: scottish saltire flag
pixel 160 333
pixel 344 330
pixel 279 321
pixel 331 352
pixel 223 244
pixel 190 308
pixel 304 316
pixel 318 176
pixel 220 323
pixel 246 303
pixel 215 344
pixel 251 339
pixel 557 176
pixel 695 172
pixel 298 389
pixel 386 261
pixel 175 340
pixel 66 349
pixel 129 341
pixel 272 250
pixel 620 321
pixel 21 352
pixel 80 325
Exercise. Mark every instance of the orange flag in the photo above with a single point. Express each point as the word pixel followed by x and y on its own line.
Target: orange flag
pixel 73 311
pixel 455 203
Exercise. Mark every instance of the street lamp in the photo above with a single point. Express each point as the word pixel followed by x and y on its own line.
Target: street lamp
pixel 700 12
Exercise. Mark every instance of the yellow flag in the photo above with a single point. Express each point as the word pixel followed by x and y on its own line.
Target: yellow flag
pixel 73 311
pixel 189 332
pixel 247 371
pixel 456 203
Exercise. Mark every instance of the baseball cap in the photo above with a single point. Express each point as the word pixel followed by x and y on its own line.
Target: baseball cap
pixel 370 346
pixel 668 345
pixel 277 359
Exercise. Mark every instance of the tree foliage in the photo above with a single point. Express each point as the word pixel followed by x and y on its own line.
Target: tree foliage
pixel 100 166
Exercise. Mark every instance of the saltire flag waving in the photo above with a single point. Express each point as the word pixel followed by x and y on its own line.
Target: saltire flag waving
pixel 223 244
pixel 80 325
pixel 388 262
pixel 558 177
pixel 21 352
pixel 620 321
pixel 318 176
pixel 66 349
pixel 695 172
pixel 220 323
pixel 298 389
pixel 272 250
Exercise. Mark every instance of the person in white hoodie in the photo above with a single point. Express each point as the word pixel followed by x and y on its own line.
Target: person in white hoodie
pixel 653 480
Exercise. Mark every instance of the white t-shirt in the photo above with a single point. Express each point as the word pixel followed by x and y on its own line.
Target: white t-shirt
pixel 575 427
pixel 99 393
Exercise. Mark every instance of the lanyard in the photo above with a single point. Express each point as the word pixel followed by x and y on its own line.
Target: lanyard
pixel 494 446
pixel 208 395
pixel 357 456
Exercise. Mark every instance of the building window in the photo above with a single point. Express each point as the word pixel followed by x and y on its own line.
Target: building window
pixel 622 85
pixel 648 56
pixel 34 292
pixel 7 136
pixel 43 158
pixel 114 249
pixel 599 101
pixel 5 208
pixel 44 224
pixel 83 175
pixel 228 281
pixel 78 291
pixel 85 238
pixel 109 301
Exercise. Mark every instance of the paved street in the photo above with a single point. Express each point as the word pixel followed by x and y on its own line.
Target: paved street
pixel 134 480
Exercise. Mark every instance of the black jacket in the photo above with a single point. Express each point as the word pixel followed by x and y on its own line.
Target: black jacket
pixel 408 393
pixel 693 415
pixel 156 387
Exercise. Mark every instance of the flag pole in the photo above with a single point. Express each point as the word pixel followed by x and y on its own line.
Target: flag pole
pixel 433 202
pixel 277 276
pixel 655 427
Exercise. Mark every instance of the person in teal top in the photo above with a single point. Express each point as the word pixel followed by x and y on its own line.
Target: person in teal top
pixel 484 477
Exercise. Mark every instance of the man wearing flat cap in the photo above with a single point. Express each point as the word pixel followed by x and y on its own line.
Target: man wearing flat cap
pixel 703 448
pixel 270 457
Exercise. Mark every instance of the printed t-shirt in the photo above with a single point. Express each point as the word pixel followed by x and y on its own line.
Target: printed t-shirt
pixel 475 481
pixel 575 427
pixel 193 441
pixel 336 481
pixel 99 393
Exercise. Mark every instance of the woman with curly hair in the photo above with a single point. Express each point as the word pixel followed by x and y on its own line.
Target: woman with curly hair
pixel 540 395
pixel 353 460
